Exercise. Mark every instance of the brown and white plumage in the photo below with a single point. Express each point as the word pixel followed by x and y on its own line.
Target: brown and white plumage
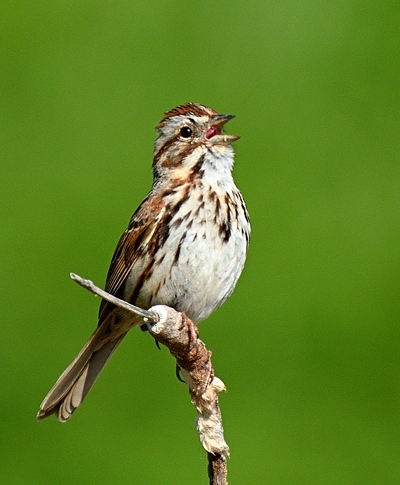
pixel 184 247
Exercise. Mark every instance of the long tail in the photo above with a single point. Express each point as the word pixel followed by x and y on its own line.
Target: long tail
pixel 76 381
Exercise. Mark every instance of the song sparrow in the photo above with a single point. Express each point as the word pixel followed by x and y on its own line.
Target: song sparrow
pixel 185 245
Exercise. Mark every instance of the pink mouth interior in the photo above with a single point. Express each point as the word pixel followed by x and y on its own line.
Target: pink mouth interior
pixel 214 130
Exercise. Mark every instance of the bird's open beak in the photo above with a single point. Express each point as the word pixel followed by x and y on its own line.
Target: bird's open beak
pixel 214 133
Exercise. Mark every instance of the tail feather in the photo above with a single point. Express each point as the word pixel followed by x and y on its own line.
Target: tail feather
pixel 85 381
pixel 76 381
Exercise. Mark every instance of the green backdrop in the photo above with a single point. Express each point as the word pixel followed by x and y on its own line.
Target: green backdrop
pixel 308 345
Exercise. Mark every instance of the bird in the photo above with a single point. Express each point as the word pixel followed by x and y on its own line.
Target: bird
pixel 185 245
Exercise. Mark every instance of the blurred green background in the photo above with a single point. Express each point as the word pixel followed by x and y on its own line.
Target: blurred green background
pixel 308 345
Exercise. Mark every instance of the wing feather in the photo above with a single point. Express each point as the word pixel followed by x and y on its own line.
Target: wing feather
pixel 133 243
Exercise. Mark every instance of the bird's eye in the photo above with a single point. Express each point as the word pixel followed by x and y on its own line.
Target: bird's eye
pixel 186 132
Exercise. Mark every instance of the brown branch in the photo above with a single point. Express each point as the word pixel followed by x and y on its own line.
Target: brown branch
pixel 217 469
pixel 147 315
pixel 177 332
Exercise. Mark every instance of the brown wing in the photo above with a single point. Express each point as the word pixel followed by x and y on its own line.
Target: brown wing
pixel 140 230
